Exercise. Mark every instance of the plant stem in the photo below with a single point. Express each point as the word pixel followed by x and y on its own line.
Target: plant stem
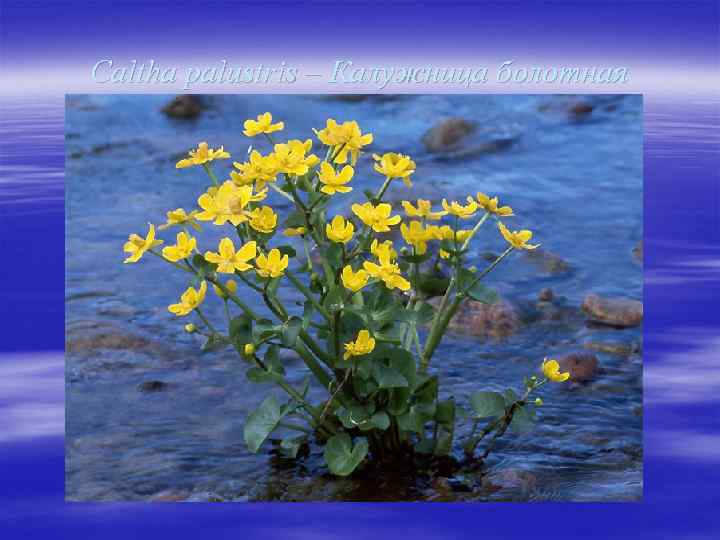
pixel 290 425
pixel 211 174
pixel 307 294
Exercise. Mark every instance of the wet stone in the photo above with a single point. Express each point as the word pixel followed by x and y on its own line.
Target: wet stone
pixel 618 348
pixel 621 312
pixel 546 295
pixel 546 261
pixel 152 386
pixel 184 107
pixel 447 134
pixel 497 320
pixel 638 251
pixel 581 366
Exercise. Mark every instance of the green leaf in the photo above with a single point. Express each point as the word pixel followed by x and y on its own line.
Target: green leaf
pixel 416 259
pixel 399 401
pixel 240 331
pixel 510 396
pixel 288 250
pixel 265 328
pixel 294 220
pixel 333 255
pixel 380 420
pixel 402 361
pixel 261 422
pixel 290 446
pixel 340 455
pixel 334 300
pixel 388 377
pixel 481 293
pixel 414 419
pixel 203 267
pixel 423 313
pixel 432 285
pixel 259 375
pixel 445 412
pixel 425 446
pixel 215 342
pixel 427 390
pixel 444 443
pixel 522 420
pixel 308 310
pixel 291 330
pixel 487 404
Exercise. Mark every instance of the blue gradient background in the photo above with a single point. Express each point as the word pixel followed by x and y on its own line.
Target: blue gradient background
pixel 47 49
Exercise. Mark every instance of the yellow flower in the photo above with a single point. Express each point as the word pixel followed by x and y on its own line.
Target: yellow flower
pixel 423 210
pixel 377 217
pixel 551 370
pixel 517 239
pixel 394 165
pixel 363 344
pixel 354 280
pixel 345 138
pixel 190 328
pixel 184 246
pixel 189 300
pixel 203 154
pixel 180 217
pixel 335 182
pixel 295 231
pixel 448 233
pixel 136 246
pixel 416 235
pixel 258 169
pixel 444 254
pixel 263 219
pixel 384 251
pixel 457 209
pixel 273 265
pixel 491 205
pixel 339 230
pixel 228 260
pixel 249 349
pixel 230 285
pixel 263 124
pixel 227 203
pixel 290 158
pixel 386 270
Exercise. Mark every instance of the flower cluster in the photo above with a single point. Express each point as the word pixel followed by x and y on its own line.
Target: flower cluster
pixel 363 298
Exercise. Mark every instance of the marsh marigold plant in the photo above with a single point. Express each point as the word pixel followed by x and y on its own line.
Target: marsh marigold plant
pixel 363 322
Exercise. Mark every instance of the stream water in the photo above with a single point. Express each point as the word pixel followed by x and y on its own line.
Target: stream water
pixel 576 182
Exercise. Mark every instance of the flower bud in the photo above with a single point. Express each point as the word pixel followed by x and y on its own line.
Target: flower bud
pixel 249 349
pixel 230 285
pixel 473 269
pixel 538 402
pixel 190 328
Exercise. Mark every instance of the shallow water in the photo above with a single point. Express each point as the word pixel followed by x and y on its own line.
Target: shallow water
pixel 578 184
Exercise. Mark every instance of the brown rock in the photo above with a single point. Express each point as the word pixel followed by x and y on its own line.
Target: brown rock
pixel 638 251
pixel 613 311
pixel 546 295
pixel 184 107
pixel 447 134
pixel 546 261
pixel 525 481
pixel 582 366
pixel 618 348
pixel 107 340
pixel 497 320
pixel 152 386
pixel 580 110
